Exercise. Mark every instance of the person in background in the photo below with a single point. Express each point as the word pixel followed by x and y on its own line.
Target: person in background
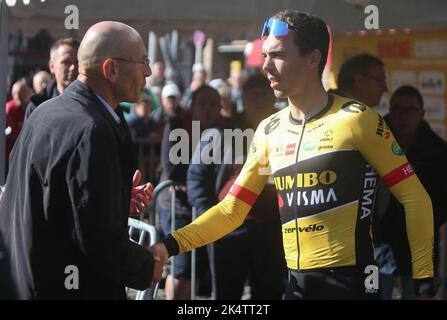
pixel 363 78
pixel 15 114
pixel 204 109
pixel 63 65
pixel 198 80
pixel 156 91
pixel 253 252
pixel 140 123
pixel 236 80
pixel 227 111
pixel 40 81
pixel 158 77
pixel 148 94
pixel 427 153
pixel 170 107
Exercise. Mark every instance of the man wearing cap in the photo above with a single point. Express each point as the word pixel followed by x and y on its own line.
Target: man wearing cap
pixel 324 153
pixel 170 102
pixel 171 117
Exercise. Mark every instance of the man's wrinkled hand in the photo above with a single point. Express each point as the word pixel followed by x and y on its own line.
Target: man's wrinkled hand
pixel 161 256
pixel 141 195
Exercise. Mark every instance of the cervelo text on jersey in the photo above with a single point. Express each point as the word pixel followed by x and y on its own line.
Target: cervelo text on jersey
pixel 325 172
pixel 309 228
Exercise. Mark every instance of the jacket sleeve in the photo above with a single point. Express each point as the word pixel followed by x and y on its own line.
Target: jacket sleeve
pixel 29 109
pixel 174 171
pixel 200 182
pixel 433 178
pixel 100 213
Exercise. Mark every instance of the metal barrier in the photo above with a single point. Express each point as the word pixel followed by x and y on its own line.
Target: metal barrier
pixel 148 154
pixel 153 213
pixel 154 218
pixel 154 222
pixel 151 227
pixel 147 236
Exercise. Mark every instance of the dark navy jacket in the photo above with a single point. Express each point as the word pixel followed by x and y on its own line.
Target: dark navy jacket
pixel 67 202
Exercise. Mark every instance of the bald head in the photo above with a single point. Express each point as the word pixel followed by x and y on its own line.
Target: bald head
pixel 21 93
pixel 113 62
pixel 106 39
pixel 41 80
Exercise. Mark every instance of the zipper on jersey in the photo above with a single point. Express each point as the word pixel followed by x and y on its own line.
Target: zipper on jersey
pixel 296 190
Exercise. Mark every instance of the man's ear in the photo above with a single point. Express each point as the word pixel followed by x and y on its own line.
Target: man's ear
pixel 315 59
pixel 110 70
pixel 51 66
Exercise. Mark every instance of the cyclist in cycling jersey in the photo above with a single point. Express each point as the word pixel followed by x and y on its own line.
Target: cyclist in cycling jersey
pixel 324 153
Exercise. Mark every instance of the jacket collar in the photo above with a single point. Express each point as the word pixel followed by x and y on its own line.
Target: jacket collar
pixel 52 86
pixel 81 92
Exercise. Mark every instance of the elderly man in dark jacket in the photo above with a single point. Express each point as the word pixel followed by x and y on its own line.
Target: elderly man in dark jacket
pixel 64 213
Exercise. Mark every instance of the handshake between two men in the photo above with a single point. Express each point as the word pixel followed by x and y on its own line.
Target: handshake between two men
pixel 141 198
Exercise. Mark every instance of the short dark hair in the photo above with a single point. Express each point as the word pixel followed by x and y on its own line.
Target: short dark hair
pixel 407 91
pixel 311 33
pixel 356 65
pixel 71 42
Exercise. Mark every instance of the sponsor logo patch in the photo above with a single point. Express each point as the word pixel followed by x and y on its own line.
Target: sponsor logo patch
pixel 396 149
pixel 399 174
pixel 271 126
pixel 382 130
pixel 318 126
pixel 309 228
pixel 326 147
pixel 309 146
pixel 252 148
pixel 353 107
pixel 280 201
pixel 290 149
pixel 305 180
pixel 293 132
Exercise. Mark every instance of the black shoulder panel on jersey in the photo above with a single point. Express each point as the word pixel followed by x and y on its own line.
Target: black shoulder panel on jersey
pixel 272 125
pixel 353 107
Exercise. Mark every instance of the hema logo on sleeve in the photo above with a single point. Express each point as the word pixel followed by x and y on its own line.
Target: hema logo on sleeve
pixel 372 279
